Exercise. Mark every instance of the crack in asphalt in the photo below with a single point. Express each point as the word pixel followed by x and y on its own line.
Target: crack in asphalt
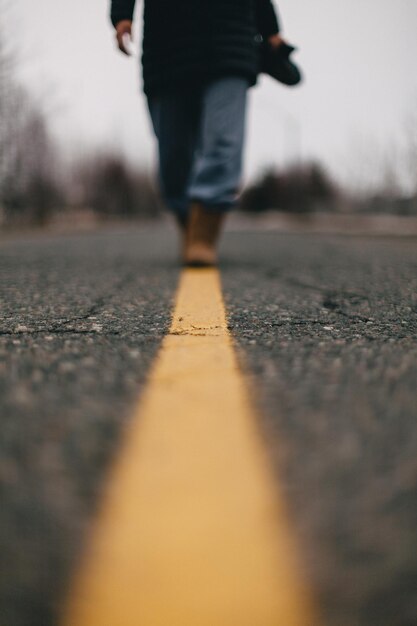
pixel 328 293
pixel 56 331
pixel 93 310
pixel 59 327
pixel 331 305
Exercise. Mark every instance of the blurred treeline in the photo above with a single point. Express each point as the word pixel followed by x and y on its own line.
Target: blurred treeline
pixel 301 188
pixel 37 185
pixel 35 182
pixel 308 187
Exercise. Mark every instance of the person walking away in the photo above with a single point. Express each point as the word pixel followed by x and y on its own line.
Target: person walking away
pixel 199 59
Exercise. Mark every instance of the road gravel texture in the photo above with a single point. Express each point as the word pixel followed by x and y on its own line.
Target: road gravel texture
pixel 325 328
pixel 81 320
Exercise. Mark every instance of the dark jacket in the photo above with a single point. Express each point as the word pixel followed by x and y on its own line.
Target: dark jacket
pixel 189 41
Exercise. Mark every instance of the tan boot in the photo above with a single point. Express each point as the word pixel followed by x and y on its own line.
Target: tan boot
pixel 203 231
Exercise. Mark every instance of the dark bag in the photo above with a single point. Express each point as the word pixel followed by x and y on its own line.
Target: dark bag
pixel 277 63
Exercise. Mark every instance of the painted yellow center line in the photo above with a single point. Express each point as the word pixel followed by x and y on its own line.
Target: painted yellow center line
pixel 191 532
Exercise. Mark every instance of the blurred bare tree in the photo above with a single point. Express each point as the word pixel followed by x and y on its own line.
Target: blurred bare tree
pixel 8 95
pixel 109 185
pixel 410 128
pixel 28 158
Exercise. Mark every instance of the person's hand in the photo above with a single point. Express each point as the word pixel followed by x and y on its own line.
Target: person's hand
pixel 275 41
pixel 123 29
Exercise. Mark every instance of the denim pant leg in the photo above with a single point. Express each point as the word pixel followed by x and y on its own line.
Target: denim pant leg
pixel 175 121
pixel 217 168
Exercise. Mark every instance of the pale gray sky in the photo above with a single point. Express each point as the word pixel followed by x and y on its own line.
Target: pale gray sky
pixel 359 58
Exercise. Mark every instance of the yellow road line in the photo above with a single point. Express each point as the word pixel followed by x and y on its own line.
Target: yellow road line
pixel 191 533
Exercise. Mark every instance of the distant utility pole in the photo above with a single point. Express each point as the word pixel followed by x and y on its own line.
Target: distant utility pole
pixel 292 131
pixel 292 138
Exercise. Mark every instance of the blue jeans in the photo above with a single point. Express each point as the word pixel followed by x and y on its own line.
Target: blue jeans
pixel 200 134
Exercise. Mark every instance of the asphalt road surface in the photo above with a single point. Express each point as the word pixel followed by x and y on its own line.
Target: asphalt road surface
pixel 326 331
